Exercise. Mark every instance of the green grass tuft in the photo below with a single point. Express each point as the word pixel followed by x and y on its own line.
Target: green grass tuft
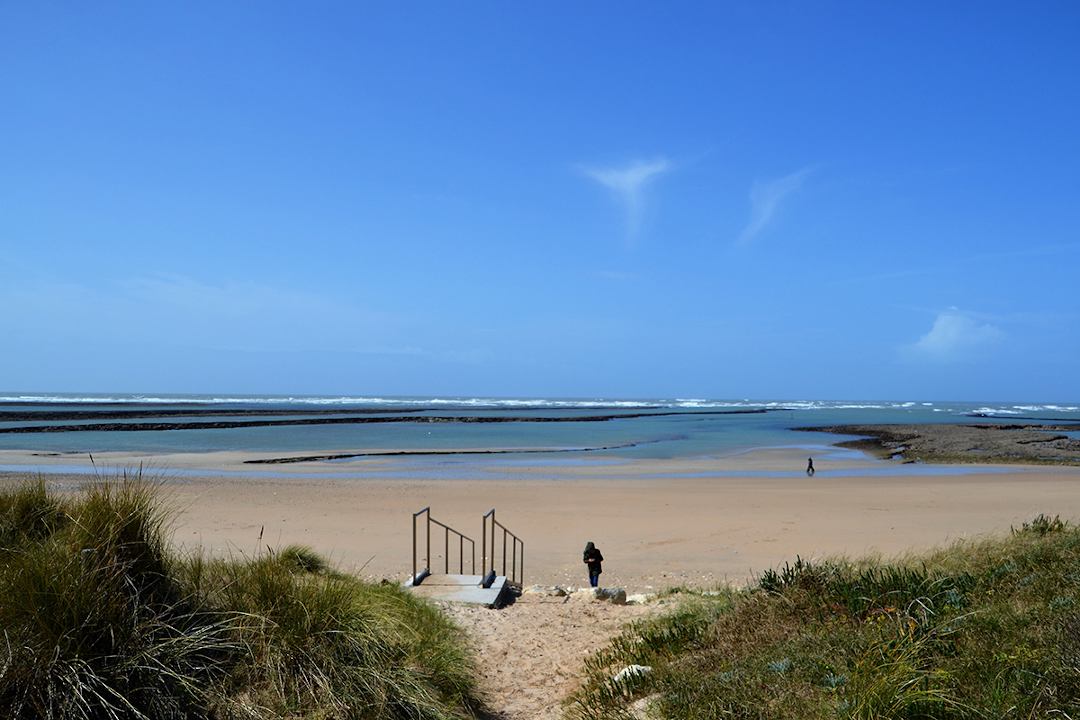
pixel 302 559
pixel 987 629
pixel 102 621
pixel 28 514
pixel 1041 525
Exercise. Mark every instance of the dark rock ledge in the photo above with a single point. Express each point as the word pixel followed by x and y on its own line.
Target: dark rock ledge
pixel 1025 444
pixel 418 419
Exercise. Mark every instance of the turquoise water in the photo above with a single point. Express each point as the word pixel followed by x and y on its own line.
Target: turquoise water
pixel 683 434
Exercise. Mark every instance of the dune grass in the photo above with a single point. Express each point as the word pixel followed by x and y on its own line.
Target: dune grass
pixel 986 629
pixel 101 620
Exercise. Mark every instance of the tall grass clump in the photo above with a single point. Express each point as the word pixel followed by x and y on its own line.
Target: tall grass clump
pixel 27 514
pixel 987 629
pixel 95 625
pixel 323 640
pixel 101 620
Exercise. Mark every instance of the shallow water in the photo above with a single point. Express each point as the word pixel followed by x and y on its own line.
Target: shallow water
pixel 681 435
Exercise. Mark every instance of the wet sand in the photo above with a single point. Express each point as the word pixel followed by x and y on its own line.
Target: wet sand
pixel 659 523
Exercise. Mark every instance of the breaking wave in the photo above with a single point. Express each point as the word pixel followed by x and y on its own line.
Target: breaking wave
pixel 503 403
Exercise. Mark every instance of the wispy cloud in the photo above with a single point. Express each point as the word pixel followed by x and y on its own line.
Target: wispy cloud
pixel 628 184
pixel 225 315
pixel 765 200
pixel 956 335
pixel 252 316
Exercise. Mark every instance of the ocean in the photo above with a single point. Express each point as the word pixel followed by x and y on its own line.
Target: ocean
pixel 533 429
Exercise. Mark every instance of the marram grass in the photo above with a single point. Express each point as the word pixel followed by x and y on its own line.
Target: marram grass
pixel 100 620
pixel 984 629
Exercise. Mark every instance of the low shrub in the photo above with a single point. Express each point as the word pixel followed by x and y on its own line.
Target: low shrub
pixel 1041 525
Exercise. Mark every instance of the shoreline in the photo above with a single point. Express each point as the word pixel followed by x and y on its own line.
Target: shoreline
pixel 467 463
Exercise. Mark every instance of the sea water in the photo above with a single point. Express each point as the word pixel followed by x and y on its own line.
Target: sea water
pixel 652 428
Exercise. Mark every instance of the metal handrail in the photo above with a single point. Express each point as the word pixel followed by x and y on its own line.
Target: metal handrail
pixel 517 563
pixel 462 538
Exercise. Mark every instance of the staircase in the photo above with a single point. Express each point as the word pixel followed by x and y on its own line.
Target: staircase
pixel 489 590
pixel 468 589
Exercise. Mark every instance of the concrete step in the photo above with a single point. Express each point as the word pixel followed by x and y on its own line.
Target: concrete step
pixel 463 589
pixel 440 580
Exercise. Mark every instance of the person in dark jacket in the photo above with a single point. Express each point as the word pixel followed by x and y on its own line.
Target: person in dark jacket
pixel 592 559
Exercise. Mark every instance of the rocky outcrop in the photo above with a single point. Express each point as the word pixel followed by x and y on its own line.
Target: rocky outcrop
pixel 970 443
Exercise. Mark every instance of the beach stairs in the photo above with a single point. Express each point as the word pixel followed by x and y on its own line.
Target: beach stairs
pixel 465 589
pixel 456 551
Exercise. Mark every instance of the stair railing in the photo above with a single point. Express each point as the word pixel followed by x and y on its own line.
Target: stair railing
pixel 516 576
pixel 417 577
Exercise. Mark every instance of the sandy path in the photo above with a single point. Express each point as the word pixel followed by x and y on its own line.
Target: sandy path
pixel 530 654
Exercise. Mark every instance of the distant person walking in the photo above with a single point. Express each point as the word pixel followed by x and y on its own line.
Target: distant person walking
pixel 592 558
pixel 810 467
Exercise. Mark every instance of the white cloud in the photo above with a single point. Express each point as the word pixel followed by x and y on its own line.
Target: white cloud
pixel 628 184
pixel 957 335
pixel 765 200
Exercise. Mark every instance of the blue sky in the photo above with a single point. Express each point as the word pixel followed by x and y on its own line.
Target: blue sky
pixel 754 200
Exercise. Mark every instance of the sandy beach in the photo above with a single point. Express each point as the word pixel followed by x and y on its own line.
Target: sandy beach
pixel 694 522
pixel 659 523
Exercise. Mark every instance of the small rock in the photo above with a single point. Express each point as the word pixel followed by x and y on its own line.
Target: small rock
pixel 615 596
pixel 631 672
pixel 549 590
pixel 640 598
pixel 642 708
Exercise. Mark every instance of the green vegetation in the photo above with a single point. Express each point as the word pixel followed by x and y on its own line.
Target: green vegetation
pixel 987 629
pixel 102 621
